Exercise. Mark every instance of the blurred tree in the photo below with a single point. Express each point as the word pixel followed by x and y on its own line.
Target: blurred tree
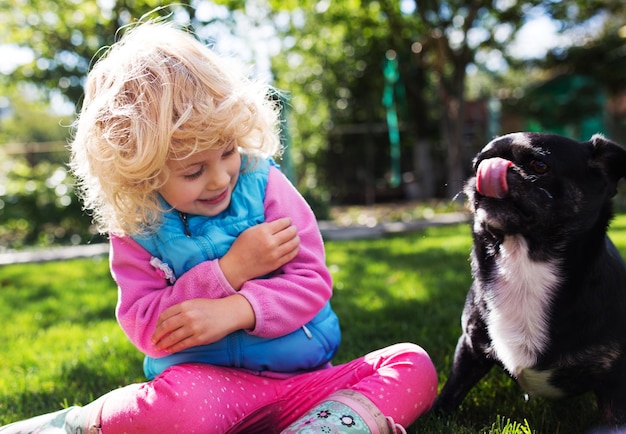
pixel 582 78
pixel 62 39
pixel 331 62
pixel 37 204
pixel 30 121
pixel 65 35
pixel 332 65
pixel 461 33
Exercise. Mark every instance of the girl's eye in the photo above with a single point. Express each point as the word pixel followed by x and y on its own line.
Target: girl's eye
pixel 194 175
pixel 229 151
pixel 539 167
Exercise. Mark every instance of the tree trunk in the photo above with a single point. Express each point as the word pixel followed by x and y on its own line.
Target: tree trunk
pixel 452 92
pixel 424 172
pixel 452 136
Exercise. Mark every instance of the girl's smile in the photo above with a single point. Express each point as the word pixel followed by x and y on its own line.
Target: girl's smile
pixel 216 199
pixel 202 183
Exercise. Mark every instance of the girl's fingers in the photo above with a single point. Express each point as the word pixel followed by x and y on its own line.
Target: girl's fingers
pixel 286 235
pixel 279 225
pixel 170 340
pixel 166 324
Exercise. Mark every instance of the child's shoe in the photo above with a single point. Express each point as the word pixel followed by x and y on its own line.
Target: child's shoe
pixel 67 421
pixel 344 412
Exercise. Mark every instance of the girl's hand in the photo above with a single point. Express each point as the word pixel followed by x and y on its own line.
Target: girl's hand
pixel 259 250
pixel 201 321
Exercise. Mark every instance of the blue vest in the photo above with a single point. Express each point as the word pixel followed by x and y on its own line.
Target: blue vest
pixel 183 241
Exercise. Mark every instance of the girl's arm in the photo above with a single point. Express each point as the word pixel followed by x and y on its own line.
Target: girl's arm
pixel 294 293
pixel 144 292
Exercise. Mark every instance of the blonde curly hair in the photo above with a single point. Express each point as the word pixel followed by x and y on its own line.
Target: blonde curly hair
pixel 160 94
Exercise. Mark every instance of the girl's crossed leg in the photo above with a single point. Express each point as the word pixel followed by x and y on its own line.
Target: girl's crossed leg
pixel 400 380
pixel 398 383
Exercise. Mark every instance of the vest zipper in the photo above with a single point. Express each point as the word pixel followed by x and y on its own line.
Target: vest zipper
pixel 307 332
pixel 183 217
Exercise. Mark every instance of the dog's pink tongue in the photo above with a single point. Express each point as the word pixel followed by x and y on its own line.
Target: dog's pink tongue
pixel 491 177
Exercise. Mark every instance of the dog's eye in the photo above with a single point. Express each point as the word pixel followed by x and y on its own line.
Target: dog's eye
pixel 539 167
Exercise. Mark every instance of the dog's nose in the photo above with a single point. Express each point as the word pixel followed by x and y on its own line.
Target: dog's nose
pixel 491 177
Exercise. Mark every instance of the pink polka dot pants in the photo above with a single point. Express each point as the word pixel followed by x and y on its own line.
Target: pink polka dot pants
pixel 195 398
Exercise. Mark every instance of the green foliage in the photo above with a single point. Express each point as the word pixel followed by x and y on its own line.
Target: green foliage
pixel 599 59
pixel 336 83
pixel 332 66
pixel 570 105
pixel 331 63
pixel 38 206
pixel 37 202
pixel 30 121
pixel 574 96
pixel 61 343
pixel 65 35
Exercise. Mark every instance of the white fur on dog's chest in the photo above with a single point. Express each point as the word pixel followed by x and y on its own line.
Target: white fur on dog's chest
pixel 518 317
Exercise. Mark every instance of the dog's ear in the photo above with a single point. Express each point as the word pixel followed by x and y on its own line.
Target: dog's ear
pixel 610 158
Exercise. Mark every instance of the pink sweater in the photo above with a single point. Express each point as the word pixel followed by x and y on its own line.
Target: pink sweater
pixel 282 303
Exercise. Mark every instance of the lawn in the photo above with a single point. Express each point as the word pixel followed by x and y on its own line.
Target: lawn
pixel 60 344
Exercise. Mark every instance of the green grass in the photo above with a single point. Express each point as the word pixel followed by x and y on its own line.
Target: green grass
pixel 60 344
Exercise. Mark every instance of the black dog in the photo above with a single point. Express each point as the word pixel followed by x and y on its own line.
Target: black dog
pixel 548 302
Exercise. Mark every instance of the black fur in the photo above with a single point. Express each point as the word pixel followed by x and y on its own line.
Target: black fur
pixel 559 205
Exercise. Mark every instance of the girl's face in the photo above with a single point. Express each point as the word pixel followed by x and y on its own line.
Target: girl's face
pixel 203 183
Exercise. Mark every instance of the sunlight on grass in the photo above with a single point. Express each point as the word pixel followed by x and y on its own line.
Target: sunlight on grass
pixel 60 338
pixel 403 287
pixel 393 268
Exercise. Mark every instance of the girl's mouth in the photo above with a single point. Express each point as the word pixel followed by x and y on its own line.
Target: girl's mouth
pixel 216 199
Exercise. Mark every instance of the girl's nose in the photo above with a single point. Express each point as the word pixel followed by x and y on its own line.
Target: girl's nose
pixel 219 179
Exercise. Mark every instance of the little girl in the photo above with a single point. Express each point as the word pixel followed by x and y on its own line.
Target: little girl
pixel 218 259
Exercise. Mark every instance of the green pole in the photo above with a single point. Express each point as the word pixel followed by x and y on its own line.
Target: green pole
pixel 392 76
